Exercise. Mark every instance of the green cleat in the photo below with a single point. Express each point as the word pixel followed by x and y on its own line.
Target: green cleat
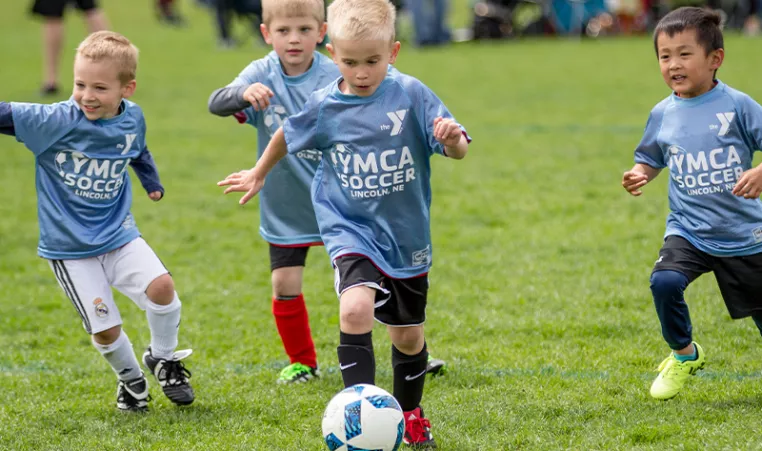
pixel 436 367
pixel 298 373
pixel 674 373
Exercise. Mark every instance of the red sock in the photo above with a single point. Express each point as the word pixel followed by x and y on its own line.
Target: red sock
pixel 294 329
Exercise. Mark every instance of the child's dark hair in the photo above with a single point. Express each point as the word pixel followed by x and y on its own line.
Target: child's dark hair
pixel 705 21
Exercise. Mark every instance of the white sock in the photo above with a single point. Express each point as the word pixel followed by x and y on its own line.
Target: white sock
pixel 164 322
pixel 121 357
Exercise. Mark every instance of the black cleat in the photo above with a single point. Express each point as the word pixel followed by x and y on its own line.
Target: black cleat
pixel 436 367
pixel 172 376
pixel 132 395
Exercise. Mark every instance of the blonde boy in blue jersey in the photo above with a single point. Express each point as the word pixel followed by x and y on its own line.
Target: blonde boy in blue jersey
pixel 82 148
pixel 263 95
pixel 705 134
pixel 376 129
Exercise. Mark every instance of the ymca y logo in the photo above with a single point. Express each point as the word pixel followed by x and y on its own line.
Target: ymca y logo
pixel 397 117
pixel 725 120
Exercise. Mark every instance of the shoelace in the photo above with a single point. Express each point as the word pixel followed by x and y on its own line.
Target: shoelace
pixel 176 372
pixel 672 365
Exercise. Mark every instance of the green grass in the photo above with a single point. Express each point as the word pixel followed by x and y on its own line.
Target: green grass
pixel 539 299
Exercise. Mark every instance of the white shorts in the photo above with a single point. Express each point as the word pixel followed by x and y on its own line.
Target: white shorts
pixel 87 282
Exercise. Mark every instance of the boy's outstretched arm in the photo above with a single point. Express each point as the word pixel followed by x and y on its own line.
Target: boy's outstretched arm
pixel 227 101
pixel 638 177
pixel 145 169
pixel 251 182
pixel 451 136
pixel 230 100
pixel 6 119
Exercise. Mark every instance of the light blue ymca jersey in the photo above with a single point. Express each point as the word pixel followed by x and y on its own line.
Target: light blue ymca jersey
pixel 286 213
pixel 372 191
pixel 707 142
pixel 83 186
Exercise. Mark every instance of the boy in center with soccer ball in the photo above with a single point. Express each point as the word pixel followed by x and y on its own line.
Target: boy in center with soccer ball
pixel 376 129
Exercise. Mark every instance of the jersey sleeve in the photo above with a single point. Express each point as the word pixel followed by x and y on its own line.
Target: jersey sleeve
pixel 301 130
pixel 648 151
pixel 428 107
pixel 751 117
pixel 38 126
pixel 145 167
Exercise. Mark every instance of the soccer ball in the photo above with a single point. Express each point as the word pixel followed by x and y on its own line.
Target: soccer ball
pixel 363 418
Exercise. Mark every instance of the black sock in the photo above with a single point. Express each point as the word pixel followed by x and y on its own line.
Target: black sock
pixel 356 359
pixel 409 377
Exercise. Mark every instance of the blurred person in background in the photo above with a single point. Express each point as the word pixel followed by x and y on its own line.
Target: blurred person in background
pixel 52 12
pixel 225 10
pixel 429 21
pixel 167 13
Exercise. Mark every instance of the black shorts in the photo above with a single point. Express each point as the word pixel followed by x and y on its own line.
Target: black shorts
pixel 739 278
pixel 55 8
pixel 399 302
pixel 284 257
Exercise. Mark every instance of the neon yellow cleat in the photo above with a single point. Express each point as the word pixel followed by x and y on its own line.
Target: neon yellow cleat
pixel 674 373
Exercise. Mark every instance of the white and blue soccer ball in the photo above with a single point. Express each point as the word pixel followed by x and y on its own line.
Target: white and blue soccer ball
pixel 363 418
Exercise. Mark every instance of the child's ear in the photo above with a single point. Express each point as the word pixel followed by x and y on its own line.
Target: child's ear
pixel 716 58
pixel 129 89
pixel 266 34
pixel 395 51
pixel 322 30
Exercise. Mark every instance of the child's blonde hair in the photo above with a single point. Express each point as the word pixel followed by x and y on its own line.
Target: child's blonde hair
pixel 361 20
pixel 293 8
pixel 108 45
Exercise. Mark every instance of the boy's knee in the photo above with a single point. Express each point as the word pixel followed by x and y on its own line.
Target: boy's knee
pixel 356 313
pixel 107 336
pixel 286 282
pixel 409 340
pixel 668 283
pixel 162 290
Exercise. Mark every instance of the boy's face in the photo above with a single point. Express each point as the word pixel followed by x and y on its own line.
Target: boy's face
pixel 363 63
pixel 97 88
pixel 294 40
pixel 685 65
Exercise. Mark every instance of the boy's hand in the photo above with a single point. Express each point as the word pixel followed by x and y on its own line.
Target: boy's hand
pixel 632 181
pixel 749 186
pixel 258 95
pixel 155 196
pixel 447 132
pixel 243 182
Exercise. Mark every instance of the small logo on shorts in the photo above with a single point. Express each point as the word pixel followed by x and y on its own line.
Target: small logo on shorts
pixel 422 257
pixel 757 234
pixel 100 308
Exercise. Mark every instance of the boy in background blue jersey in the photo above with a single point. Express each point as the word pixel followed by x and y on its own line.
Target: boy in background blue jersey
pixel 263 95
pixel 705 132
pixel 82 148
pixel 376 130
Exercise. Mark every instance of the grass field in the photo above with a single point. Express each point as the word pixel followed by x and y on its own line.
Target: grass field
pixel 539 300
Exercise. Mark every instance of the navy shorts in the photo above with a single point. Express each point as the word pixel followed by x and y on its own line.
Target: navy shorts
pixel 739 278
